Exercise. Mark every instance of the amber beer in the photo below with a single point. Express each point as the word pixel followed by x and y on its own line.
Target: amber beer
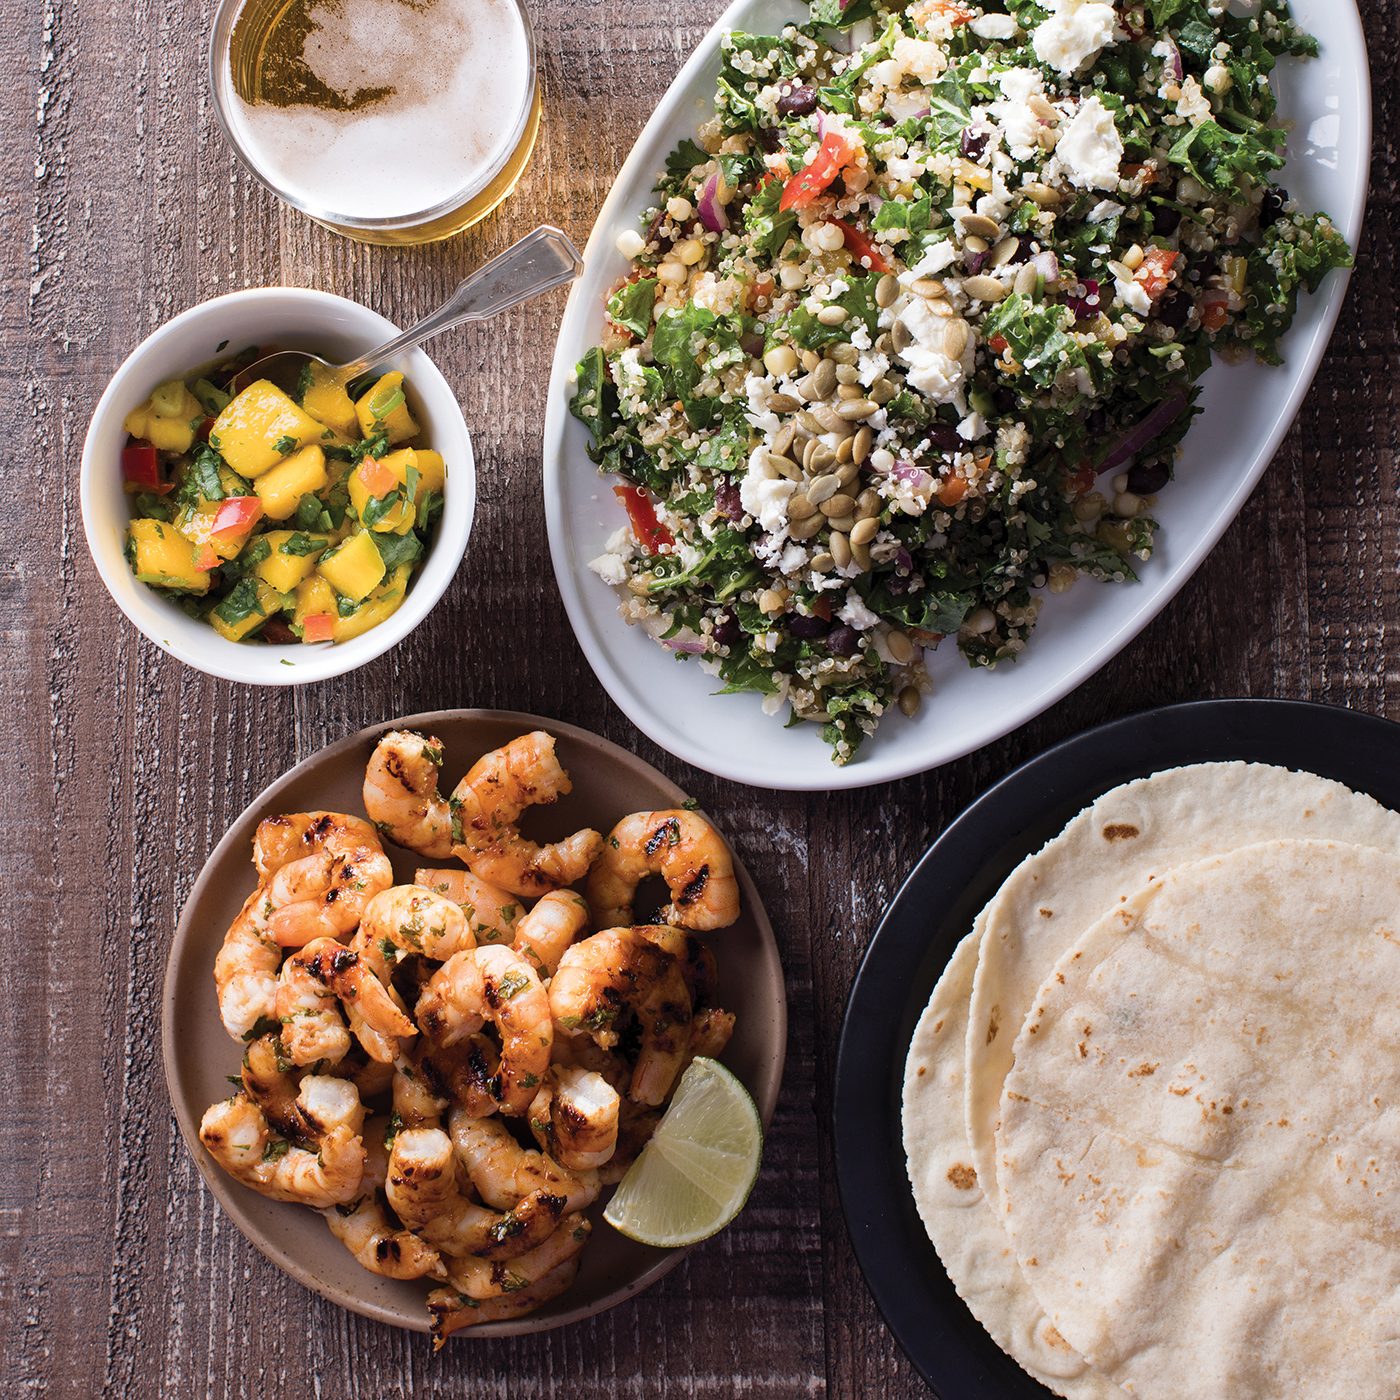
pixel 390 121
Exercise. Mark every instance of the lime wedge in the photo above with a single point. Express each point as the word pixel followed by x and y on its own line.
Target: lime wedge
pixel 695 1174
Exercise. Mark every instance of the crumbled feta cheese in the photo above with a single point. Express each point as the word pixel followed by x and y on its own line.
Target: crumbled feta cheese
pixel 1091 150
pixel 872 367
pixel 942 254
pixel 794 559
pixel 1134 295
pixel 1103 211
pixel 855 613
pixel 611 568
pixel 1074 33
pixel 1020 84
pixel 1193 104
pixel 764 494
pixel 932 373
pixel 994 27
pixel 919 59
pixel 972 427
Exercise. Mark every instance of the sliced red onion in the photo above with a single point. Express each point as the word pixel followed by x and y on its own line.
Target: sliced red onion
pixel 690 648
pixel 711 211
pixel 1165 412
pixel 1048 265
pixel 922 112
pixel 752 345
pixel 907 471
pixel 975 262
pixel 1172 67
pixel 904 560
pixel 1085 308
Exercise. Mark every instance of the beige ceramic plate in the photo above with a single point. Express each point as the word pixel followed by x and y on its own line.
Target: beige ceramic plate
pixel 608 784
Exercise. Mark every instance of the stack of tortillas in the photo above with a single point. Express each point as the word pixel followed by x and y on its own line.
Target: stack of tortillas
pixel 1152 1111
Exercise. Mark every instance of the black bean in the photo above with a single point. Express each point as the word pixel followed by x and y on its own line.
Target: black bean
pixel 663 245
pixel 728 501
pixel 727 630
pixel 1095 421
pixel 1174 309
pixel 1205 265
pixel 1005 400
pixel 769 138
pixel 1271 207
pixel 808 628
pixel 973 146
pixel 943 436
pixel 1165 219
pixel 1147 478
pixel 844 641
pixel 797 102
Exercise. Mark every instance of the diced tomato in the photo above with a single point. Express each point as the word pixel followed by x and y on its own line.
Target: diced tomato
pixel 1214 313
pixel 951 490
pixel 1154 273
pixel 839 148
pixel 1078 483
pixel 924 639
pixel 236 515
pixel 204 430
pixel 759 288
pixel 141 466
pixel 954 13
pixel 1131 170
pixel 318 627
pixel 378 479
pixel 998 343
pixel 860 246
pixel 205 559
pixel 650 532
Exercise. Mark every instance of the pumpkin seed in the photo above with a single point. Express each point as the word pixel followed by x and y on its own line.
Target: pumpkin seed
pixel 973 244
pixel 868 503
pixel 900 647
pixel 822 562
pixel 840 549
pixel 842 523
pixel 806 420
pixel 824 380
pixel 861 554
pixel 1026 279
pixel 823 488
pixel 927 287
pixel 832 315
pixel 805 529
pixel 886 290
pixel 1043 195
pixel 984 288
pixel 941 308
pixel 848 472
pixel 955 335
pixel 882 391
pixel 901 337
pixel 910 700
pixel 844 449
pixel 847 374
pixel 865 529
pixel 857 409
pixel 821 460
pixel 783 442
pixel 839 504
pixel 800 507
pixel 863 442
pixel 782 403
pixel 1004 251
pixel 831 420
pixel 843 352
pixel 981 225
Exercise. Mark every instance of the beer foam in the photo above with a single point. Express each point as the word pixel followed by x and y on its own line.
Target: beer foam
pixel 459 70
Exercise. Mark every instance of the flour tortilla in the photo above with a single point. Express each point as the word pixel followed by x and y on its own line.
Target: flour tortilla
pixel 1141 829
pixel 1199 1154
pixel 965 1231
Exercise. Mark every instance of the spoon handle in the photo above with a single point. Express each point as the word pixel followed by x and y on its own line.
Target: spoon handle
pixel 541 261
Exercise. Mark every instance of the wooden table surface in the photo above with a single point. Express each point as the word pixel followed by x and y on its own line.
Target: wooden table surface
pixel 121 206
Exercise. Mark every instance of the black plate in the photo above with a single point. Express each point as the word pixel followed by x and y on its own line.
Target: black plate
pixel 958 875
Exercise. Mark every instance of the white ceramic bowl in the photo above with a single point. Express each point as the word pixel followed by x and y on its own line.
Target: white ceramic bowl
pixel 292 318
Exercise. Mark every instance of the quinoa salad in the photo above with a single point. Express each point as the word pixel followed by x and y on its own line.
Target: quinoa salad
pixel 915 326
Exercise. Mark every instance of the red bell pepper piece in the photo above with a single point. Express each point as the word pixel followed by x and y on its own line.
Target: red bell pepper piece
pixel 838 148
pixel 141 467
pixel 205 558
pixel 1154 273
pixel 236 515
pixel 861 247
pixel 378 479
pixel 650 532
pixel 318 627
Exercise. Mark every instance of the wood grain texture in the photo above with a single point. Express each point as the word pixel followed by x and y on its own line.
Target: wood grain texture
pixel 119 207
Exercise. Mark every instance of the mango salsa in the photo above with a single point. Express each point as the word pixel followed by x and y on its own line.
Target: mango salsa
pixel 261 427
pixel 385 409
pixel 283 511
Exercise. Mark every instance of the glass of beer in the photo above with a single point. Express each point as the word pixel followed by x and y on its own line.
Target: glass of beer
pixel 389 121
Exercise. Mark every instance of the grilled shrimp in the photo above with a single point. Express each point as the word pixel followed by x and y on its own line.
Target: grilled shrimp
pixel 323 891
pixel 628 967
pixel 373 1011
pixel 380 1247
pixel 485 1278
pixel 236 1135
pixel 555 921
pixel 681 847
pixel 422 1178
pixel 452 1311
pixel 488 802
pixel 312 1027
pixel 416 920
pixel 635 1126
pixel 504 1173
pixel 574 1117
pixel 269 1083
pixel 401 793
pixel 245 971
pixel 491 914
pixel 499 985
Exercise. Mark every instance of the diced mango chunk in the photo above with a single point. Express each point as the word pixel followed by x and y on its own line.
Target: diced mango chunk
pixel 354 568
pixel 381 603
pixel 196 523
pixel 327 402
pixel 261 427
pixel 269 601
pixel 303 473
pixel 169 419
pixel 285 568
pixel 375 414
pixel 315 595
pixel 165 557
pixel 430 474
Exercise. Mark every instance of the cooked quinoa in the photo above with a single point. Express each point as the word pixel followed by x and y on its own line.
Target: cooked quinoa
pixel 914 329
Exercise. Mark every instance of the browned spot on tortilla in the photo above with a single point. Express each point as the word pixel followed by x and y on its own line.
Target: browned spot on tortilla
pixel 1047 913
pixel 962 1176
pixel 1119 831
pixel 1178 1089
pixel 1284 1123
pixel 937 1026
pixel 1032 1262
pixel 1053 1339
pixel 1059 977
pixel 1034 1028
pixel 993 1024
pixel 1227 1109
pixel 921 1071
pixel 1142 1070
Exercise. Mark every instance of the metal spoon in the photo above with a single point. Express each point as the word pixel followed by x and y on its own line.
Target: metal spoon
pixel 541 261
